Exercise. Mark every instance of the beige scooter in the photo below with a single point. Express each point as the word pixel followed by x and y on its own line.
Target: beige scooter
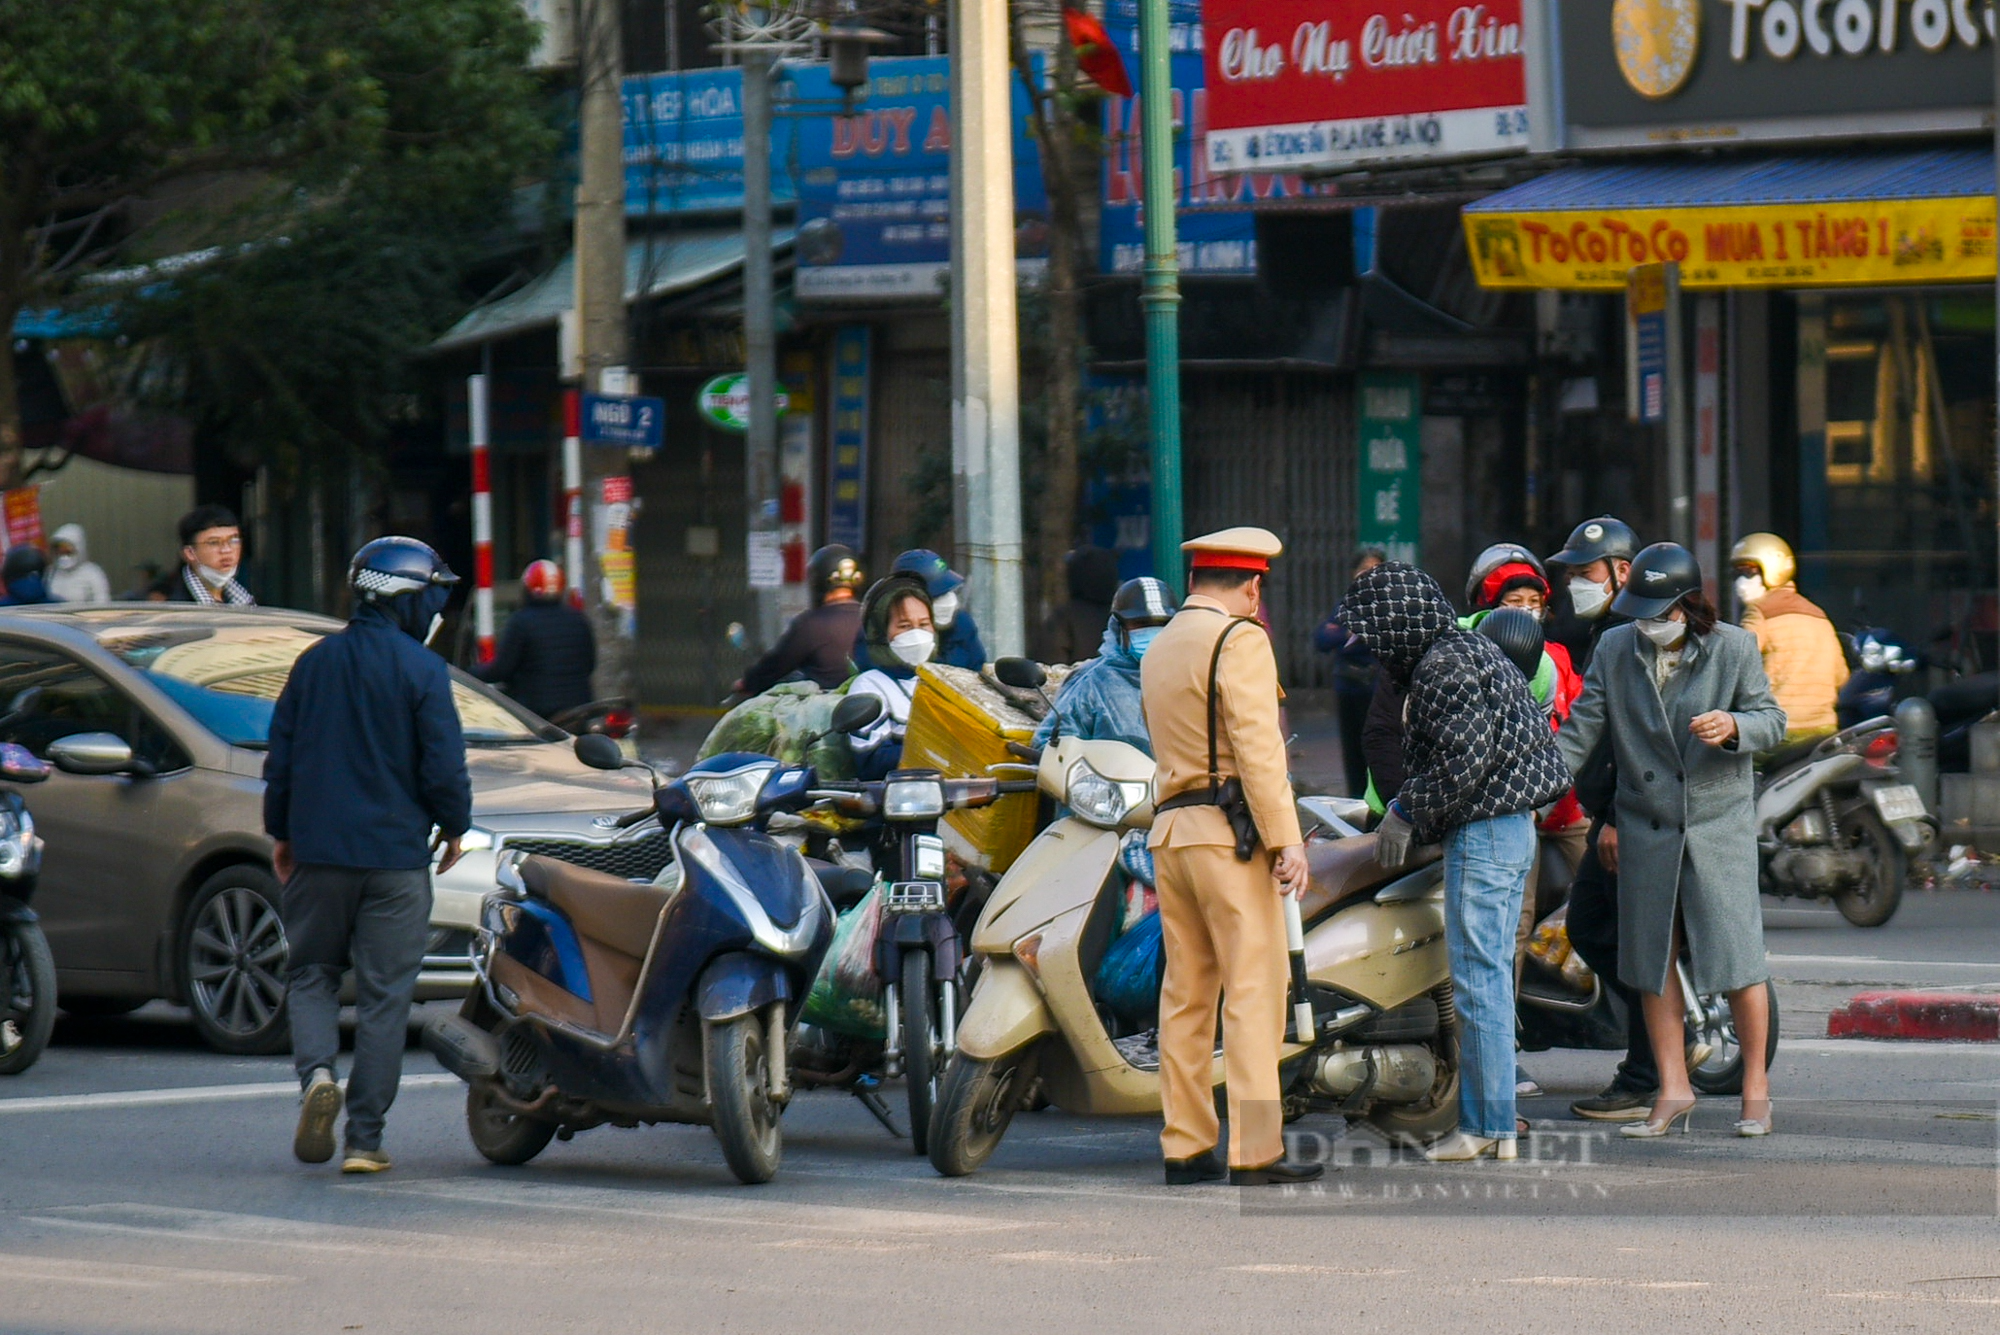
pixel 1378 980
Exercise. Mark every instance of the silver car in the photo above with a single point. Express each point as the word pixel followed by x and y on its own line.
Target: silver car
pixel 157 879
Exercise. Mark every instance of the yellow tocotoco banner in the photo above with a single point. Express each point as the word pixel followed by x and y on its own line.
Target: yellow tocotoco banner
pixel 1839 243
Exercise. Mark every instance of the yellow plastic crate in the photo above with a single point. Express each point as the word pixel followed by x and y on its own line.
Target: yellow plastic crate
pixel 959 724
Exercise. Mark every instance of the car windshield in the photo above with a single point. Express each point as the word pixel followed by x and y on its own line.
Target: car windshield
pixel 229 678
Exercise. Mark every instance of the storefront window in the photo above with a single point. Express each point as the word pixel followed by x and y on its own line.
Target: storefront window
pixel 1896 430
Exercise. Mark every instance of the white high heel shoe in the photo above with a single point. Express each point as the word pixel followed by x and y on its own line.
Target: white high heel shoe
pixel 1459 1147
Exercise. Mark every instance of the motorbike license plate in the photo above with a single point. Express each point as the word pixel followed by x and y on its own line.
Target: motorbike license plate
pixel 914 897
pixel 1899 801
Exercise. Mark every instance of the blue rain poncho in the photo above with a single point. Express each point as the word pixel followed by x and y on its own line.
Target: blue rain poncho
pixel 1100 701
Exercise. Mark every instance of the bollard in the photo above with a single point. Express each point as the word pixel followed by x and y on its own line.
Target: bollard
pixel 1917 747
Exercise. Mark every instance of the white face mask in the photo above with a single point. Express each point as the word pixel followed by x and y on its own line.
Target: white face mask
pixel 218 578
pixel 1589 598
pixel 1749 588
pixel 944 609
pixel 66 560
pixel 1663 632
pixel 913 646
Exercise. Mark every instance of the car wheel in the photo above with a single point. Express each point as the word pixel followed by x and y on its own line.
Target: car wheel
pixel 233 962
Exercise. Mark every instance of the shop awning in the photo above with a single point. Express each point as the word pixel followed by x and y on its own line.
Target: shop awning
pixel 1873 219
pixel 658 266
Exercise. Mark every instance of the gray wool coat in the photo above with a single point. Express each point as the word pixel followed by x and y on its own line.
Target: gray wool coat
pixel 1687 827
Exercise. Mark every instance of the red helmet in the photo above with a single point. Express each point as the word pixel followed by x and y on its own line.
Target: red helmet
pixel 542 580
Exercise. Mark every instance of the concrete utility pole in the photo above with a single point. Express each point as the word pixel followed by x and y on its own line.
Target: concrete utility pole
pixel 985 365
pixel 1160 292
pixel 760 345
pixel 600 302
pixel 1996 165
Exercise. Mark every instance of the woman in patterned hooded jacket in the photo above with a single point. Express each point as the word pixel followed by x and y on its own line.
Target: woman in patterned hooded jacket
pixel 1479 759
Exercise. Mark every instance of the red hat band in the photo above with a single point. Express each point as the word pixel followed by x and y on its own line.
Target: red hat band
pixel 1232 561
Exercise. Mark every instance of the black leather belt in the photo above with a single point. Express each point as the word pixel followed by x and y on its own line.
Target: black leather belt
pixel 1193 797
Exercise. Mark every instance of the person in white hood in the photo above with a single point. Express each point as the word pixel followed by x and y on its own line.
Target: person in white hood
pixel 73 576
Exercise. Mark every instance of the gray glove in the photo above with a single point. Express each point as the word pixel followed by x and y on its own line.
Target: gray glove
pixel 1392 839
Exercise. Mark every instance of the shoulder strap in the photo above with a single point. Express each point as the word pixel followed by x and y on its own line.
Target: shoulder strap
pixel 1214 668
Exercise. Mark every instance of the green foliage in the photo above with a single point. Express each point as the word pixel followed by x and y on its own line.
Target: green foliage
pixel 346 158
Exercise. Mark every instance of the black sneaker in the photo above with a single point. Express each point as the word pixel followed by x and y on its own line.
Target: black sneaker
pixel 1615 1104
pixel 1204 1167
pixel 1278 1174
pixel 319 1107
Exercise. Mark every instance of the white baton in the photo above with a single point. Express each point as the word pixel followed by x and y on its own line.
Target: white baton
pixel 1295 944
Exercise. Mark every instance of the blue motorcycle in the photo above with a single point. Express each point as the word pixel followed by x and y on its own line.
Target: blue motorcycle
pixel 602 1000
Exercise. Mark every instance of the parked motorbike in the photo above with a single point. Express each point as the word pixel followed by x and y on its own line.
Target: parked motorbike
pixel 606 1001
pixel 27 969
pixel 1881 662
pixel 613 717
pixel 1383 1042
pixel 1834 823
pixel 916 952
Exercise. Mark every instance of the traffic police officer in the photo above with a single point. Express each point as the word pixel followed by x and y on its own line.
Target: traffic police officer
pixel 1222 918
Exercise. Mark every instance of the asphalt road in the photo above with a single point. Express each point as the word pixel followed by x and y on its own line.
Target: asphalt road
pixel 149 1188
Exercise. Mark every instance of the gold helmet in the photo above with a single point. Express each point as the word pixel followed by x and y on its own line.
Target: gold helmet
pixel 1771 554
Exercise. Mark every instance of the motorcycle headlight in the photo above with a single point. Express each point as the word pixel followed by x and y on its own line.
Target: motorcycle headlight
pixel 728 799
pixel 17 844
pixel 1099 800
pixel 912 799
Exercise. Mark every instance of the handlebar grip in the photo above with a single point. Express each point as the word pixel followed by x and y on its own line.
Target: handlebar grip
pixel 631 818
pixel 1019 786
pixel 1032 754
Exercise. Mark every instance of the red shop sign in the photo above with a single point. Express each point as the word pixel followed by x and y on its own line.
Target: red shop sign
pixel 1329 83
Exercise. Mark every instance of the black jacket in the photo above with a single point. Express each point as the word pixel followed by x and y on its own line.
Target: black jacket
pixel 818 645
pixel 1597 781
pixel 1382 737
pixel 545 658
pixel 1475 743
pixel 366 751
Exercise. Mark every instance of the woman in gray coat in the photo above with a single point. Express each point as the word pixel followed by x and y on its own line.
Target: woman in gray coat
pixel 1686 704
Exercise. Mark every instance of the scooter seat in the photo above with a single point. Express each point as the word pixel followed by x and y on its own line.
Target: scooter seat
pixel 1345 869
pixel 1787 754
pixel 845 886
pixel 618 913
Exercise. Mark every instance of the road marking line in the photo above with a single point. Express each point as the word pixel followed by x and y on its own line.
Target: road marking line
pixel 179 1223
pixel 706 1209
pixel 845 1245
pixel 1872 959
pixel 1275 1268
pixel 1594 1281
pixel 1067 1258
pixel 1879 1047
pixel 1918 1298
pixel 152 1098
pixel 18 1267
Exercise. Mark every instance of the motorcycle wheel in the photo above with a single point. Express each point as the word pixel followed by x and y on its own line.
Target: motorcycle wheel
pixel 1722 1073
pixel 739 1082
pixel 233 963
pixel 1874 902
pixel 920 1056
pixel 28 972
pixel 977 1101
pixel 503 1137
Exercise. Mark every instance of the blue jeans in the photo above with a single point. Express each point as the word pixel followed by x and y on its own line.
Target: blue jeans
pixel 1486 866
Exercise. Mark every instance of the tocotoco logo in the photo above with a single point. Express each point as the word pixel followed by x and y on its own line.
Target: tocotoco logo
pixel 1657 41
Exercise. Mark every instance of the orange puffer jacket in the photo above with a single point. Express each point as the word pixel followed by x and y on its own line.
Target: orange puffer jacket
pixel 1802 657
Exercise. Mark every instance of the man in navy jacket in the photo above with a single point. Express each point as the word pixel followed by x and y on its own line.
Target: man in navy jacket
pixel 366 760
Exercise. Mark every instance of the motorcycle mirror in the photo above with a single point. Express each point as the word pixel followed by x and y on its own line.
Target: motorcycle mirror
pixel 598 751
pixel 1023 674
pixel 19 765
pixel 855 713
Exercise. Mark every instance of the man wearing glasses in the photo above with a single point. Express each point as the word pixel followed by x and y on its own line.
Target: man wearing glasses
pixel 211 550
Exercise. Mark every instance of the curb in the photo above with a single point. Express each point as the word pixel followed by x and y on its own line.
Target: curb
pixel 1920 1016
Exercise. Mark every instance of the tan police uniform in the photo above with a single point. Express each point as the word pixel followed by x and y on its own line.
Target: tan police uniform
pixel 1222 920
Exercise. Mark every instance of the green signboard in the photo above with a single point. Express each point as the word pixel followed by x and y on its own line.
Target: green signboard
pixel 725 401
pixel 1391 462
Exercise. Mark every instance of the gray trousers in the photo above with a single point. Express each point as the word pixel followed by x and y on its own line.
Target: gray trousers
pixel 377 923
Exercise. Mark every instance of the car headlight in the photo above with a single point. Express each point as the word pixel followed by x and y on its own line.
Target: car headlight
pixel 1099 800
pixel 728 799
pixel 18 845
pixel 912 799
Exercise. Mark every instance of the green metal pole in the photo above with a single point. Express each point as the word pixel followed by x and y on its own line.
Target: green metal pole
pixel 1160 295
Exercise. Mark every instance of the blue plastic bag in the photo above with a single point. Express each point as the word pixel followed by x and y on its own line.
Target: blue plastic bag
pixel 1128 981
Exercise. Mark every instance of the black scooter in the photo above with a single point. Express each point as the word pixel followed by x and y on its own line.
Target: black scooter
pixel 27 969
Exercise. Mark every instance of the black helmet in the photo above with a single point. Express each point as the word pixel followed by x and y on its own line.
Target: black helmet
pixel 405 577
pixel 832 567
pixel 1139 603
pixel 1599 539
pixel 1490 560
pixel 23 561
pixel 1518 632
pixel 876 610
pixel 1662 575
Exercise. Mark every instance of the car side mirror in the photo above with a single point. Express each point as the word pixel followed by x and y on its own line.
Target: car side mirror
pixel 1023 674
pixel 856 712
pixel 598 751
pixel 91 753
